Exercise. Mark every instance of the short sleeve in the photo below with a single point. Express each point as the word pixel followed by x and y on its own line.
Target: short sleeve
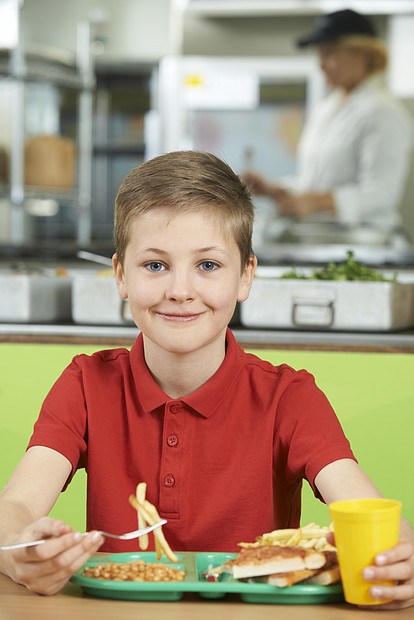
pixel 62 422
pixel 308 434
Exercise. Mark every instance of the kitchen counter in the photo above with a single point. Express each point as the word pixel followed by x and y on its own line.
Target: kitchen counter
pixel 71 333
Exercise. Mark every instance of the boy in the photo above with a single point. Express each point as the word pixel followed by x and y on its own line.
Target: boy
pixel 222 438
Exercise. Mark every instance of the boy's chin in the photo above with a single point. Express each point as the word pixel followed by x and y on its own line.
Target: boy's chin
pixel 189 341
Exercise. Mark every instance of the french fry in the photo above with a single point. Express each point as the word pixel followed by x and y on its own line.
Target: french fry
pixel 140 495
pixel 246 545
pixel 151 516
pixel 293 540
pixel 310 536
pixel 279 534
pixel 158 533
pixel 158 549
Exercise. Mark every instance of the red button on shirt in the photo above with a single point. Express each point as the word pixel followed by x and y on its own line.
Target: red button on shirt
pixel 172 440
pixel 175 408
pixel 169 480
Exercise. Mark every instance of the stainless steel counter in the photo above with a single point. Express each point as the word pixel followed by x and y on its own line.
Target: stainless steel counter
pixel 319 254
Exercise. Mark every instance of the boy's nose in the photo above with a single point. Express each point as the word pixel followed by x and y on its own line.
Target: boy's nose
pixel 180 287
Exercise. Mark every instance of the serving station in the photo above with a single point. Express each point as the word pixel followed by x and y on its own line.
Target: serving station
pixel 67 300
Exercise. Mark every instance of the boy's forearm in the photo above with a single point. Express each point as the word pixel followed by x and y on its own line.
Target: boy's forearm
pixel 14 518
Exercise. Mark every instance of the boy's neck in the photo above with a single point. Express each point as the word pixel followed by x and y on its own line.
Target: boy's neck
pixel 179 375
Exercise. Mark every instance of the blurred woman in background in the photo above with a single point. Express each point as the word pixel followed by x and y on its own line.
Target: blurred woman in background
pixel 354 153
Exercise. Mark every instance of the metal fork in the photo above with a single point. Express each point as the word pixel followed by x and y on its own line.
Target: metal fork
pixel 127 536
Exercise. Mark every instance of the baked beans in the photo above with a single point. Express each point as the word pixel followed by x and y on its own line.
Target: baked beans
pixel 135 571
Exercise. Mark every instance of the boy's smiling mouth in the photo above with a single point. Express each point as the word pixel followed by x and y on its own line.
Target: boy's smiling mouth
pixel 179 318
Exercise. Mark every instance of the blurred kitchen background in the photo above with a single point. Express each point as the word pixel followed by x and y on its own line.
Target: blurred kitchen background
pixel 91 88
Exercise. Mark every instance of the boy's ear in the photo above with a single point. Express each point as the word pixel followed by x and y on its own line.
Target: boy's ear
pixel 119 277
pixel 247 279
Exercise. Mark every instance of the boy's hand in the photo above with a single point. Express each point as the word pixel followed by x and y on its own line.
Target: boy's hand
pixel 46 568
pixel 396 564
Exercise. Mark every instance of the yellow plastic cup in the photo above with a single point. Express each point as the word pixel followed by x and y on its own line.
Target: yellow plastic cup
pixel 363 528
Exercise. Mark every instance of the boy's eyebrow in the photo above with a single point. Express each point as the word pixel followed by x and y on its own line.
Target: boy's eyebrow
pixel 217 248
pixel 154 250
pixel 197 251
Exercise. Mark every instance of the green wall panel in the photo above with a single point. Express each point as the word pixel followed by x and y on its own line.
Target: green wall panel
pixel 372 394
pixel 27 371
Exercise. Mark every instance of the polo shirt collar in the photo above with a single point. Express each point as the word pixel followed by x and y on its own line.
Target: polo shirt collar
pixel 206 399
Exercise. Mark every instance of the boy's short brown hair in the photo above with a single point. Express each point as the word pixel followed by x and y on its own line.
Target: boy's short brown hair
pixel 185 181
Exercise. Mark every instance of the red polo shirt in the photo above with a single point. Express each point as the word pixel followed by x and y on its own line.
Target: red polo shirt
pixel 223 464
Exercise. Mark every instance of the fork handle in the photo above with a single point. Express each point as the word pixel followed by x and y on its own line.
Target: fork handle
pixel 32 543
pixel 136 534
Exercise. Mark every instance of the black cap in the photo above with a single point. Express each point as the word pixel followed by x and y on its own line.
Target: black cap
pixel 336 25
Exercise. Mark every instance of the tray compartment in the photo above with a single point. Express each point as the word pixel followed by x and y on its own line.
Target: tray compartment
pixel 203 563
pixel 135 591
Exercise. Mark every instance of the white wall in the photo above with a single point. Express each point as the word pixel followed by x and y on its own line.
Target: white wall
pixel 273 35
pixel 401 46
pixel 133 30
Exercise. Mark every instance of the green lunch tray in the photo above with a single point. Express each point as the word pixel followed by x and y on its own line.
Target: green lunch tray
pixel 194 565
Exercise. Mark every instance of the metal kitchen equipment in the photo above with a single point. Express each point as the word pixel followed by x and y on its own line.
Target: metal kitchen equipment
pixel 96 301
pixel 34 298
pixel 277 303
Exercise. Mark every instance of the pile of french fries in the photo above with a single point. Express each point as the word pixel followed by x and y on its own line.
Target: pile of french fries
pixel 148 514
pixel 310 536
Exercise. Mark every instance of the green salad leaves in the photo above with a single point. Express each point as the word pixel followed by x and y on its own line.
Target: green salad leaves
pixel 350 270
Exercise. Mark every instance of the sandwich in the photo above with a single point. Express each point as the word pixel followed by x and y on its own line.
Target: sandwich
pixel 272 560
pixel 283 558
pixel 323 576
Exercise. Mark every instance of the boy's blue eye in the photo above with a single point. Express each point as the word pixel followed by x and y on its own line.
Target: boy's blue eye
pixel 155 266
pixel 208 265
